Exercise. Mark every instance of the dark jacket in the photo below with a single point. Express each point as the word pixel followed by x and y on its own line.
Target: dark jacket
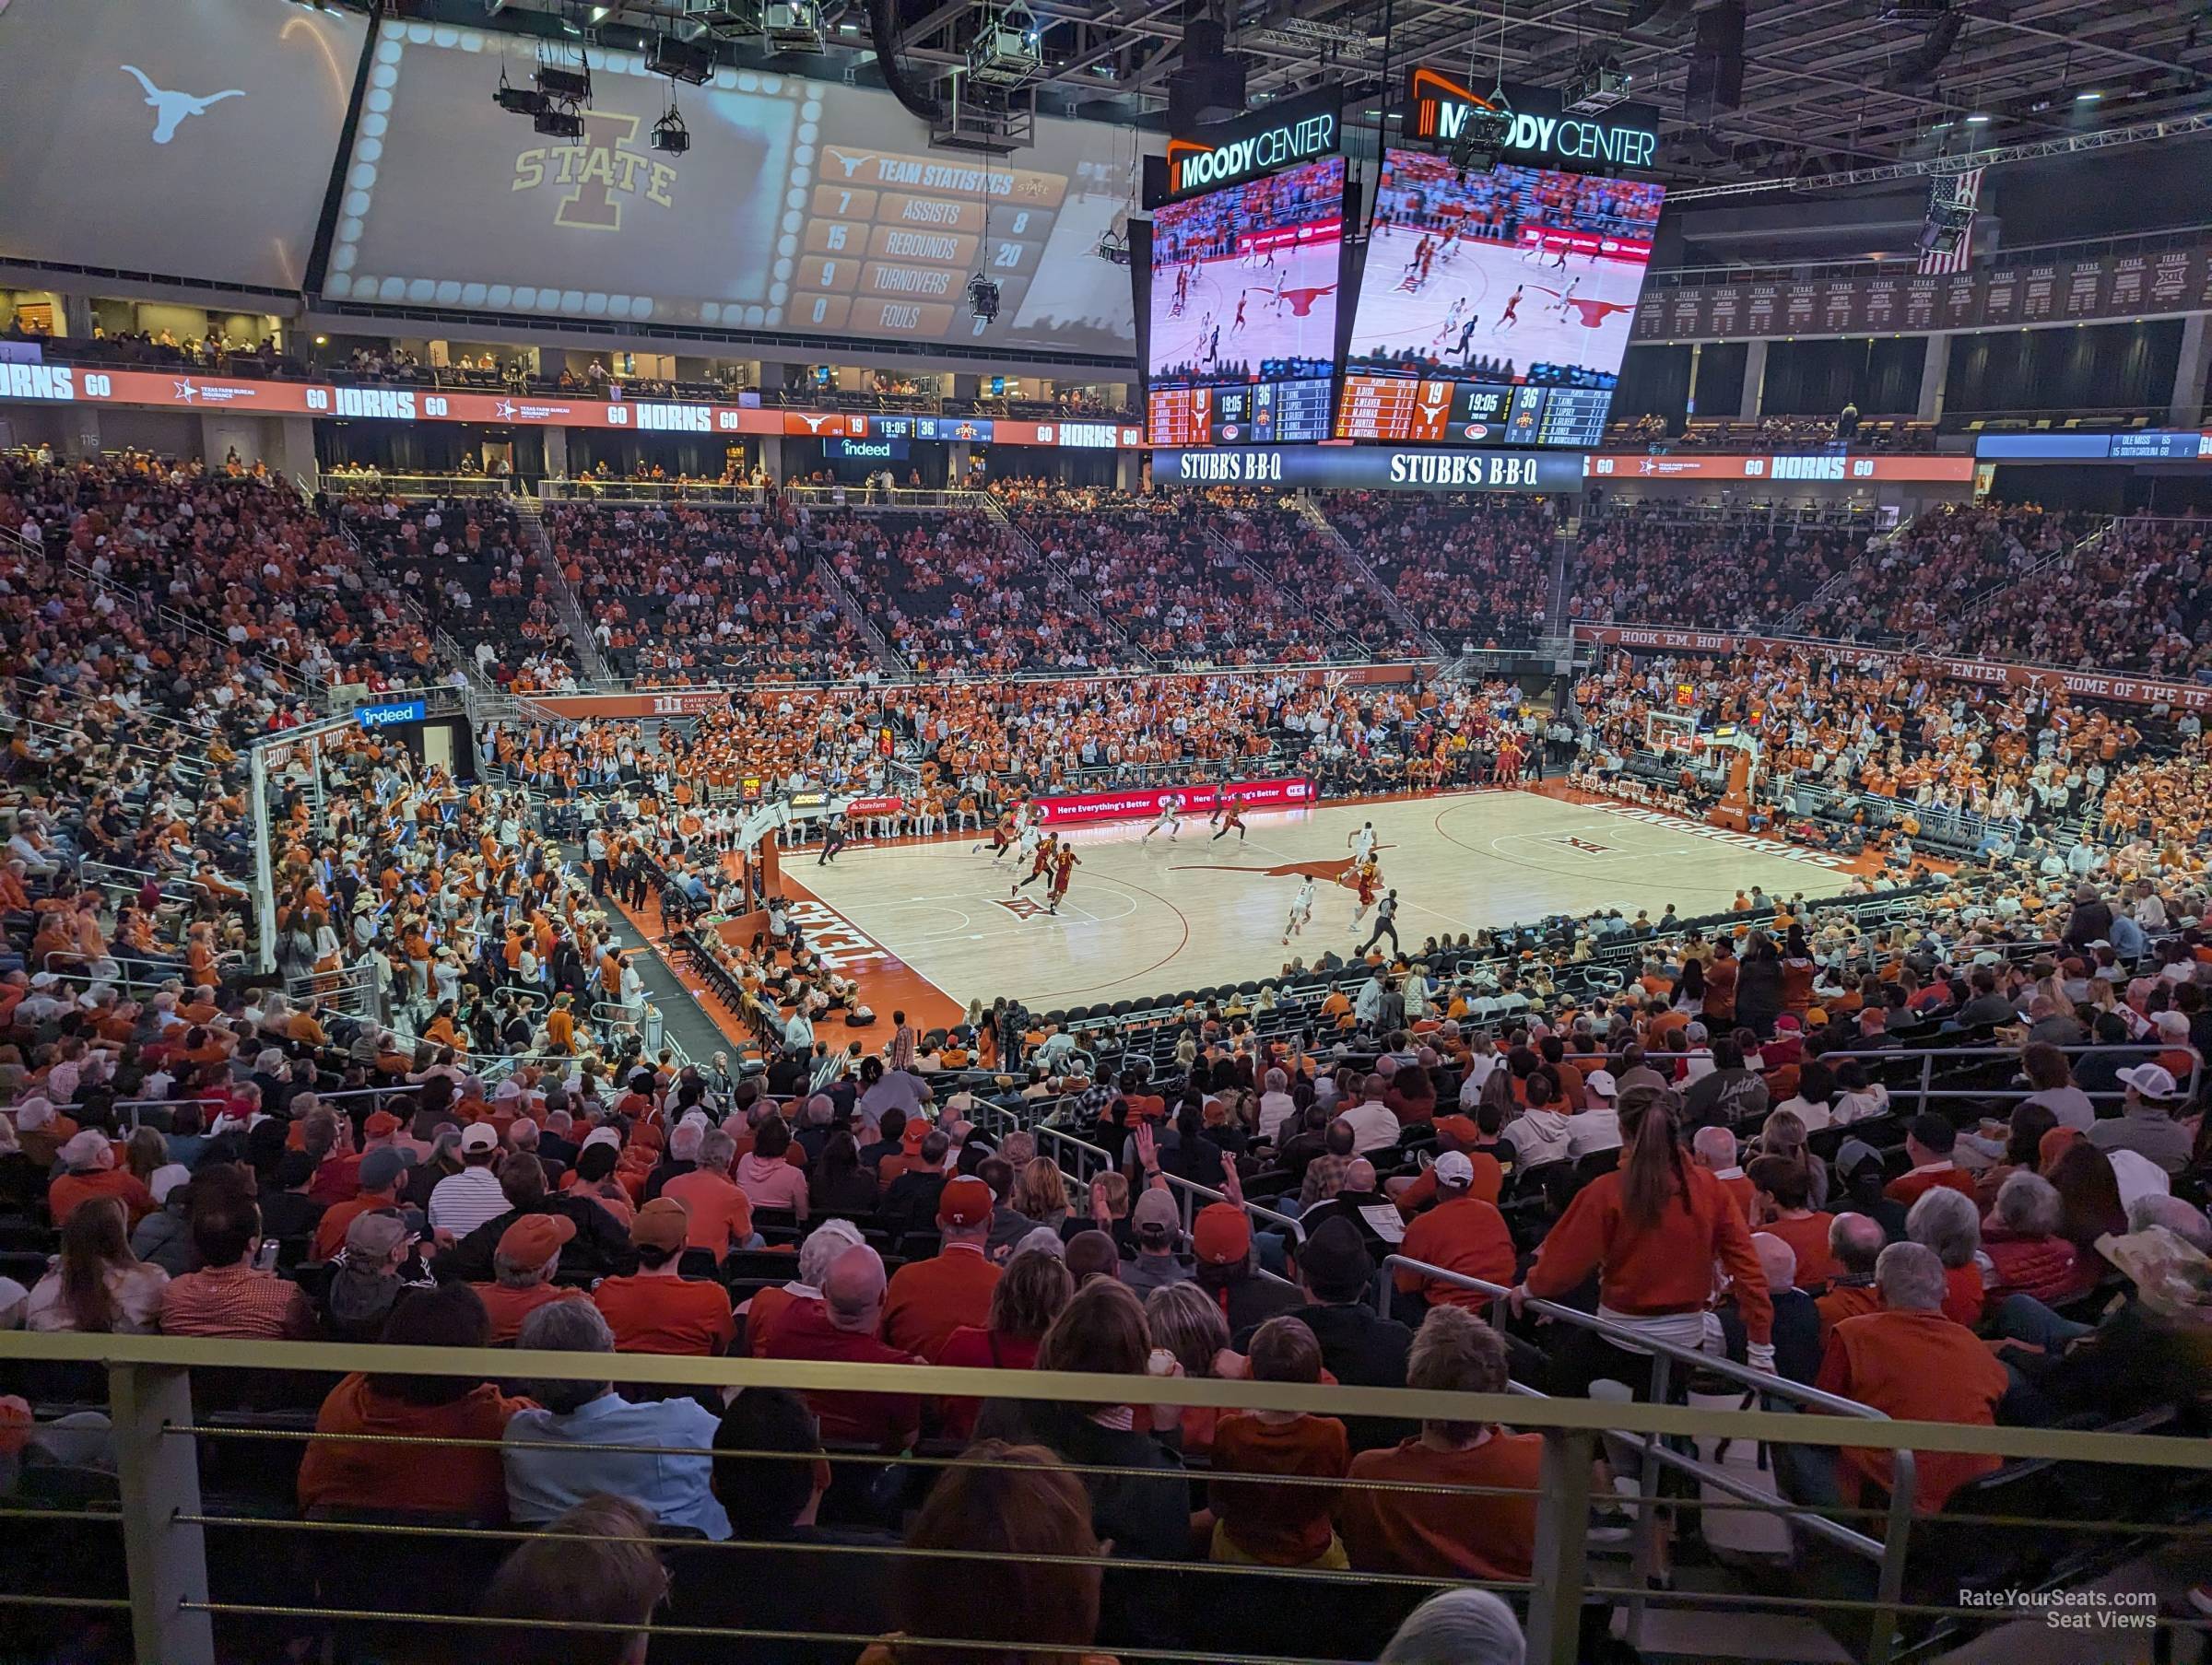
pixel 1147 1516
pixel 1758 993
pixel 1361 1351
pixel 600 1245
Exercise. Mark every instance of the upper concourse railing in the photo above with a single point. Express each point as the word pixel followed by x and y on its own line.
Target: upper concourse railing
pixel 194 1571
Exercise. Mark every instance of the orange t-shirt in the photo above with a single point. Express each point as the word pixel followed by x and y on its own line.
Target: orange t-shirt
pixel 72 1191
pixel 660 1314
pixel 721 1215
pixel 450 1480
pixel 1808 1236
pixel 1467 1236
pixel 1276 1525
pixel 929 1299
pixel 508 1308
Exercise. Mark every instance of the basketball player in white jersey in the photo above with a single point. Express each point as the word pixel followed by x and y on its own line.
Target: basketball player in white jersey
pixel 1363 842
pixel 1301 911
pixel 1168 818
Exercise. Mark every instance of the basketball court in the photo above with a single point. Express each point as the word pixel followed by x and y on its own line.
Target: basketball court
pixel 1578 313
pixel 1146 917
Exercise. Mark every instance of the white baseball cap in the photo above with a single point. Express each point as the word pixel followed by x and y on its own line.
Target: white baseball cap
pixel 2150 1080
pixel 479 1136
pixel 1453 1169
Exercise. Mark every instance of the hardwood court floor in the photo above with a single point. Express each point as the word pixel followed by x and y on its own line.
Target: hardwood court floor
pixel 1146 917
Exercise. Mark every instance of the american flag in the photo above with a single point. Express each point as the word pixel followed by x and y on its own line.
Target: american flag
pixel 1959 191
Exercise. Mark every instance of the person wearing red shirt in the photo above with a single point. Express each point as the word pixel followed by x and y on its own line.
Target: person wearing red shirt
pixel 382 1175
pixel 658 1310
pixel 522 1268
pixel 1461 1234
pixel 1036 1286
pixel 1782 1206
pixel 1448 1534
pixel 1855 1241
pixel 722 1214
pixel 930 1299
pixel 1279 1525
pixel 469 1480
pixel 1910 1363
pixel 842 1328
pixel 1929 1143
pixel 90 1161
pixel 1653 1230
pixel 1952 1225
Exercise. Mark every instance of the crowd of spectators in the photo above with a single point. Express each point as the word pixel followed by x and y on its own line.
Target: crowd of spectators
pixel 959 594
pixel 211 1155
pixel 1181 597
pixel 1476 572
pixel 1651 563
pixel 2130 598
pixel 1911 589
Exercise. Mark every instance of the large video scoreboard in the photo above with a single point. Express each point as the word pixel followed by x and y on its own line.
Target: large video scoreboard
pixel 1243 309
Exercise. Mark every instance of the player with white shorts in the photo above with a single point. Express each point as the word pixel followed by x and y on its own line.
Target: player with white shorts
pixel 1301 912
pixel 1362 843
pixel 1169 805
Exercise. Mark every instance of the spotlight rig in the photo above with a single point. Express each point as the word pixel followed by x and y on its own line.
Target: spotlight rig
pixel 1006 52
pixel 1481 137
pixel 670 136
pixel 982 297
pixel 518 100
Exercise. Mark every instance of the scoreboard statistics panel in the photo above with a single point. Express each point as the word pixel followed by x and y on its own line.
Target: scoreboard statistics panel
pixel 1243 309
pixel 1494 309
pixel 807 206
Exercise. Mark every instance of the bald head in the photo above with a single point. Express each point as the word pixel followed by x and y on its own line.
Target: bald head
pixel 1856 1241
pixel 853 1290
pixel 1714 1147
pixel 1359 1177
pixel 1777 1260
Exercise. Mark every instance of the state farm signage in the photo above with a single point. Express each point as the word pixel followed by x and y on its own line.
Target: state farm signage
pixel 1290 792
pixel 2120 688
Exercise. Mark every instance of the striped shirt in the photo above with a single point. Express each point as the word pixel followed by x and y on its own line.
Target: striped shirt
pixel 239 1301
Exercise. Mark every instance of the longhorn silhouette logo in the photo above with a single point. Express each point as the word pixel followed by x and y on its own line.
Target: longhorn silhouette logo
pixel 170 108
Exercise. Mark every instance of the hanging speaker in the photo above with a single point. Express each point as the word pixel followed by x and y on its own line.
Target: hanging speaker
pixel 1715 82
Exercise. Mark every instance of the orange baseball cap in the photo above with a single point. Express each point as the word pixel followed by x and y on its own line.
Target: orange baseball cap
pixel 534 1239
pixel 966 1201
pixel 1221 1236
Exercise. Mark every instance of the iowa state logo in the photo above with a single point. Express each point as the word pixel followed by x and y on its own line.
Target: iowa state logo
pixel 601 169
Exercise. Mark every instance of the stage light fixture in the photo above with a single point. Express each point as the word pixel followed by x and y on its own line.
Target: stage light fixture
pixel 1598 86
pixel 1481 138
pixel 565 86
pixel 558 123
pixel 1114 247
pixel 792 26
pixel 983 297
pixel 2088 98
pixel 690 62
pixel 518 100
pixel 1006 52
pixel 670 136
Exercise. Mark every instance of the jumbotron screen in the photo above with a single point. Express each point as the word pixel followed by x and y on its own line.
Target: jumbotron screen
pixel 1494 311
pixel 1244 283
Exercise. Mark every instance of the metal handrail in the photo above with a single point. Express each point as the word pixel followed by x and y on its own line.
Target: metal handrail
pixel 155 1437
pixel 1887 1553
